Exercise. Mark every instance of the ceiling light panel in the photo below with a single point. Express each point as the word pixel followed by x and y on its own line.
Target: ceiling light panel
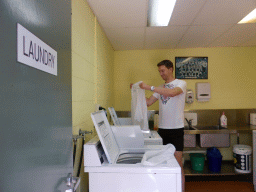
pixel 159 12
pixel 250 18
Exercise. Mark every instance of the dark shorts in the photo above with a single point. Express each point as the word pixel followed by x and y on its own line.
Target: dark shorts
pixel 173 136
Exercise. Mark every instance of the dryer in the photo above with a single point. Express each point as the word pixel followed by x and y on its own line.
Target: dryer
pixel 114 168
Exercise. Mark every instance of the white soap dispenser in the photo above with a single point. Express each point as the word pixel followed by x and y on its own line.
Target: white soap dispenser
pixel 189 96
pixel 223 120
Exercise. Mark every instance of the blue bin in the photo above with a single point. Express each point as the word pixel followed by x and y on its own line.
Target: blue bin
pixel 213 151
pixel 214 158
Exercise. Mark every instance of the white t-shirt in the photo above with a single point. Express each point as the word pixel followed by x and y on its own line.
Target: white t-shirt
pixel 171 109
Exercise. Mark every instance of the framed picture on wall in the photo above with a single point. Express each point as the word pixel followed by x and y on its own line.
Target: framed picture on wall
pixel 191 67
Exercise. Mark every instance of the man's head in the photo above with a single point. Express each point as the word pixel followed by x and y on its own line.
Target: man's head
pixel 167 63
pixel 165 69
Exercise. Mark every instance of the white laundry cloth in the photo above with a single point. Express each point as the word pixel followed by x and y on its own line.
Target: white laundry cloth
pixel 153 158
pixel 139 111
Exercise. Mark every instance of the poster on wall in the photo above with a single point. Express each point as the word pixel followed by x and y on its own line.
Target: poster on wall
pixel 191 67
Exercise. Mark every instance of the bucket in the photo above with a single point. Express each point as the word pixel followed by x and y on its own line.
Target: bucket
pixel 214 158
pixel 242 158
pixel 197 161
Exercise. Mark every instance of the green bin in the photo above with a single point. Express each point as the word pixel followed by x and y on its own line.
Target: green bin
pixel 197 161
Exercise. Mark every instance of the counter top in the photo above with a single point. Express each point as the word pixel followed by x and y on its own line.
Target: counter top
pixel 229 130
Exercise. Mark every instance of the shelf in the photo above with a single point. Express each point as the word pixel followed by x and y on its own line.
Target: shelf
pixel 227 168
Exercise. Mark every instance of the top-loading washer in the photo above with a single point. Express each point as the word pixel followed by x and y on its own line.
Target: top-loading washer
pixel 116 169
pixel 150 137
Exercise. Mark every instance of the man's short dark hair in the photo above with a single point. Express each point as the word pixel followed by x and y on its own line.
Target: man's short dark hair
pixel 167 63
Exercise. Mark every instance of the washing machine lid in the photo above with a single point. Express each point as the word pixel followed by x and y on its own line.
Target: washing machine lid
pixel 106 135
pixel 114 116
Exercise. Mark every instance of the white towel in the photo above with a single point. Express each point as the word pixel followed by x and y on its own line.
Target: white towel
pixel 153 158
pixel 139 111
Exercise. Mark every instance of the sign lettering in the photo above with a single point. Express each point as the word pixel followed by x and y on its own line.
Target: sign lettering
pixel 34 52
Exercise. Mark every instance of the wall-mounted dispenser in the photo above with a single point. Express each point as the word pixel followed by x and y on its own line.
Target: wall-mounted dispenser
pixel 203 92
pixel 189 96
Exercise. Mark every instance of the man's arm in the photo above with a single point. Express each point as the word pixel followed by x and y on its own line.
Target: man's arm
pixel 163 91
pixel 168 92
pixel 151 100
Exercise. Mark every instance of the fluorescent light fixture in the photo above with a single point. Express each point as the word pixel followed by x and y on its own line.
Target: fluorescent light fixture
pixel 159 12
pixel 250 18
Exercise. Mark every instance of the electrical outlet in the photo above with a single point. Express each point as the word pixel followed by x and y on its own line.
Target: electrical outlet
pixel 190 116
pixel 97 106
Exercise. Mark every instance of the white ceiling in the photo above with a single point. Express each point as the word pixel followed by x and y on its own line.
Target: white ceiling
pixel 194 23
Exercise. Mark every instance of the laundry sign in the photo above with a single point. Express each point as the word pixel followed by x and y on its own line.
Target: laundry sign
pixel 34 52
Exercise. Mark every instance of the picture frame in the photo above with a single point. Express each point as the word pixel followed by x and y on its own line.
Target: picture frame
pixel 191 67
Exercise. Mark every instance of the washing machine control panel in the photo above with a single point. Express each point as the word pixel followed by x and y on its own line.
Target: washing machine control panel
pixel 94 154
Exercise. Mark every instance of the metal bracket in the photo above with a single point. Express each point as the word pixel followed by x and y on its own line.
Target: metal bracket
pixel 75 137
pixel 84 132
pixel 71 181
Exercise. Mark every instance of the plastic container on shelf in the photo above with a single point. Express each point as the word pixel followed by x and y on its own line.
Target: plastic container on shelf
pixel 242 158
pixel 197 161
pixel 214 158
pixel 223 120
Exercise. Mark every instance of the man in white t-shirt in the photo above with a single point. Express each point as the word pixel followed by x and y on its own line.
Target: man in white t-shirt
pixel 171 96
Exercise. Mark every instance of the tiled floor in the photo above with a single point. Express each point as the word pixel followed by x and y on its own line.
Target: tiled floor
pixel 219 186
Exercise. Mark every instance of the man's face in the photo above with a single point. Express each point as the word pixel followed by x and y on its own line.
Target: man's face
pixel 165 73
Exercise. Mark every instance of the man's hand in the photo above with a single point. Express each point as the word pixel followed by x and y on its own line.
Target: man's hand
pixel 144 86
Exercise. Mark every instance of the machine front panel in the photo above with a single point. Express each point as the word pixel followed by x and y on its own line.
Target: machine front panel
pixel 116 182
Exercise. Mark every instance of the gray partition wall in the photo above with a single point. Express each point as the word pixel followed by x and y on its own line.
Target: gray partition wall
pixel 35 107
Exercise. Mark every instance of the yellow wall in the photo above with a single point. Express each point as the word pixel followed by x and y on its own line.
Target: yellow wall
pixel 92 63
pixel 231 73
pixel 92 77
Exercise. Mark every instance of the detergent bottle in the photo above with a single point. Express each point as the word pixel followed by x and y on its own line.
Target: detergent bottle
pixel 223 120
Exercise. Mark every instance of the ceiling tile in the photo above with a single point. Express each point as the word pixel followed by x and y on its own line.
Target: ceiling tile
pixel 121 13
pixel 122 21
pixel 224 12
pixel 236 35
pixel 201 36
pixel 163 37
pixel 194 23
pixel 250 42
pixel 126 38
pixel 185 11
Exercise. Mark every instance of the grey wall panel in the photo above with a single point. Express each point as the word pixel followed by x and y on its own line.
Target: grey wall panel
pixel 36 111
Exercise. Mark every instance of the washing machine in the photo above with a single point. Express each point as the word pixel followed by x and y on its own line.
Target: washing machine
pixel 150 137
pixel 254 157
pixel 120 169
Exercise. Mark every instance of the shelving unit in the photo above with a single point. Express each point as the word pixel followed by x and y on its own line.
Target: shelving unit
pixel 227 168
pixel 227 173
